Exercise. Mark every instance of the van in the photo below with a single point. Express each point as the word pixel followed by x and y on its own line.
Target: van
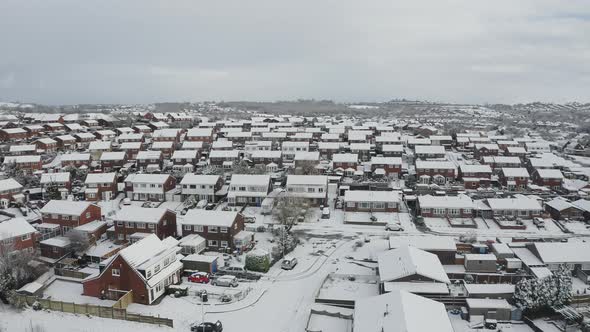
pixel 288 263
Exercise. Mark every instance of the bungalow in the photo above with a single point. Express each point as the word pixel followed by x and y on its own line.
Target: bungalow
pixel 514 178
pixel 69 214
pixel 371 201
pixel 145 268
pixel 313 188
pixel 149 187
pixel 460 206
pixel 551 178
pixel 559 208
pixel 17 234
pixel 201 186
pixel 248 189
pixel 100 186
pixel 521 207
pixel 219 228
pixel 135 219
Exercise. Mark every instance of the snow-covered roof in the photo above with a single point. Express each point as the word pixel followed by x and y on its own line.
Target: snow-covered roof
pixel 22 159
pixel 475 168
pixel 224 154
pixel 431 164
pixel 429 149
pixel 58 241
pixel 407 261
pixel 162 145
pixel 130 145
pixel 488 304
pixel 185 154
pixel 561 252
pixel 199 132
pixel 71 208
pixel 550 174
pixel 456 202
pixel 15 227
pixel 23 148
pixel 130 213
pixel 149 155
pixel 108 156
pixel 515 172
pixel 386 160
pixel 517 203
pixel 345 158
pixel 75 157
pixel 270 154
pixel 147 178
pixel 426 243
pixel 250 179
pixel 209 218
pixel 92 178
pixel 400 311
pixel 192 145
pixel 200 179
pixel 9 184
pixel 99 145
pixel 307 155
pixel 392 148
pixel 583 204
pixel 307 180
pixel 371 196
pixel 60 177
pixel 559 204
pixel 91 226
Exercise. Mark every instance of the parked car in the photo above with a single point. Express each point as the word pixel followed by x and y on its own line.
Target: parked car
pixel 226 280
pixel 210 206
pixel 288 263
pixel 249 220
pixel 207 327
pixel 233 270
pixel 393 227
pixel 539 222
pixel 200 277
pixel 326 213
pixel 126 201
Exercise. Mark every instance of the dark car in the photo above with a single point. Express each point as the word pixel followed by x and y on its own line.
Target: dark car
pixel 207 327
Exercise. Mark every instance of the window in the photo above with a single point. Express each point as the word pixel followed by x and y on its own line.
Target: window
pixel 116 272
pixel 129 224
pixel 212 229
pixel 25 237
pixel 140 225
pixel 223 229
pixel 364 205
pixel 149 274
pixel 198 228
pixel 157 268
pixel 187 227
pixel 87 214
pixel 212 243
pixel 224 244
pixel 64 217
pixel 151 226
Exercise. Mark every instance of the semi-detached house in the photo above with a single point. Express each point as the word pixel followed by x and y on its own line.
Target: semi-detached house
pixel 219 228
pixel 201 186
pixel 69 214
pixel 313 188
pixel 134 219
pixel 245 189
pixel 149 187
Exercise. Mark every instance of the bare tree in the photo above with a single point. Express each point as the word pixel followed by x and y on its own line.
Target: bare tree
pixel 79 242
pixel 15 268
pixel 306 167
pixel 290 210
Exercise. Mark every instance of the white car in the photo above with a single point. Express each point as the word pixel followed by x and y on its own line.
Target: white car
pixel 394 227
pixel 288 263
pixel 226 280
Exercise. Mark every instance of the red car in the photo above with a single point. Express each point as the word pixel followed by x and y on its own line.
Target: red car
pixel 200 277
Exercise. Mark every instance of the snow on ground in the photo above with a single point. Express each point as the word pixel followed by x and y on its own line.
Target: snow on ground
pixel 460 325
pixel 49 321
pixel 70 291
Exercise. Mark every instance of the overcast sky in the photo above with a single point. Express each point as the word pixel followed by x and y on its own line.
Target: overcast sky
pixel 123 51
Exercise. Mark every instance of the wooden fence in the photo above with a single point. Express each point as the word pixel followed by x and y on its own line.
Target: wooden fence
pixel 124 301
pixel 93 310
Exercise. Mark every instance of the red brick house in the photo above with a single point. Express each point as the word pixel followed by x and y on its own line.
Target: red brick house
pixel 112 161
pixel 475 176
pixel 70 214
pixel 13 134
pixel 17 234
pixel 134 219
pixel 431 169
pixel 218 227
pixel 391 166
pixel 147 158
pixel 60 180
pixel 76 160
pixel 371 201
pixel 131 149
pixel 485 149
pixel 146 268
pixel 514 178
pixel 460 206
pixel 552 178
pixel 46 144
pixel 345 161
pixel 149 187
pixel 200 134
pixel 101 186
pixel 28 164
